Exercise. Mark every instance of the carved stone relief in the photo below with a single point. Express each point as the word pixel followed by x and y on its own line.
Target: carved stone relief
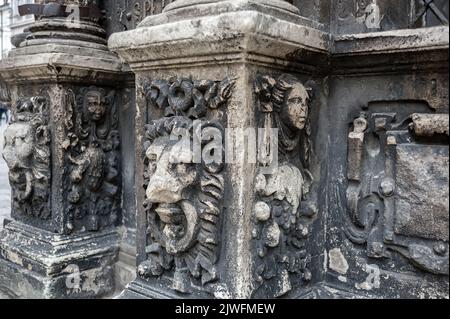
pixel 127 14
pixel 283 211
pixel 183 195
pixel 365 12
pixel 92 153
pixel 145 8
pixel 27 154
pixel 397 195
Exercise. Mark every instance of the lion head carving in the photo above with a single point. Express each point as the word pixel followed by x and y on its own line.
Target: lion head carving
pixel 184 205
pixel 27 154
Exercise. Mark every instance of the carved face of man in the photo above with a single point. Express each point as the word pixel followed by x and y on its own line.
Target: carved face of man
pixel 295 113
pixel 95 105
pixel 19 146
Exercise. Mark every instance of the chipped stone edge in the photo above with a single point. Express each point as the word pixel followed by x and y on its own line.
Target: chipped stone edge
pixel 392 41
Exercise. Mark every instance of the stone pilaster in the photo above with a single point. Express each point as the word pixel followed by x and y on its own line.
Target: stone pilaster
pixel 226 228
pixel 63 152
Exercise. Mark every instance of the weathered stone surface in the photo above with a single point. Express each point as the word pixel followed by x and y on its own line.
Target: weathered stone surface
pixel 220 34
pixel 5 189
pixel 430 124
pixel 46 265
pixel 181 40
pixel 348 199
pixel 27 154
pixel 422 192
pixel 63 152
pixel 353 16
pixel 337 261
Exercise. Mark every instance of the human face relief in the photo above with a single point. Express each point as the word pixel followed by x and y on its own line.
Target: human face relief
pixel 171 171
pixel 296 110
pixel 95 106
pixel 18 146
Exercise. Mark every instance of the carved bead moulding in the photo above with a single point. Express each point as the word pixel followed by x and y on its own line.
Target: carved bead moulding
pixel 184 198
pixel 91 147
pixel 27 154
pixel 397 195
pixel 284 208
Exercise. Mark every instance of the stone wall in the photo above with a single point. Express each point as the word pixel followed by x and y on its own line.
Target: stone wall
pixel 351 199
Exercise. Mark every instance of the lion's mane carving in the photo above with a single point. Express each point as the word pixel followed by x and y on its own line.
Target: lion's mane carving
pixel 184 206
pixel 27 154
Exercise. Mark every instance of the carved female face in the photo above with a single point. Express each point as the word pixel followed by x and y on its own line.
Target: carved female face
pixel 295 112
pixel 95 106
pixel 19 145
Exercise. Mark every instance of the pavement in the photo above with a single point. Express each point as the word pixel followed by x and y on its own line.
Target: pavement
pixel 5 190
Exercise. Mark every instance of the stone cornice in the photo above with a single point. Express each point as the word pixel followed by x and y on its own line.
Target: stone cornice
pixel 229 37
pixel 55 63
pixel 258 38
pixel 391 51
pixel 392 41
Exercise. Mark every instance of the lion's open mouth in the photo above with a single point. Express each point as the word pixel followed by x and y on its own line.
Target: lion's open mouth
pixel 170 213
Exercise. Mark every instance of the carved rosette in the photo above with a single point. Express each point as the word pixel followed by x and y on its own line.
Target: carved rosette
pixel 284 210
pixel 397 194
pixel 93 160
pixel 27 154
pixel 183 193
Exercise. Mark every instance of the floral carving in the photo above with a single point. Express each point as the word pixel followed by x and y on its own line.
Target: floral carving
pixel 185 97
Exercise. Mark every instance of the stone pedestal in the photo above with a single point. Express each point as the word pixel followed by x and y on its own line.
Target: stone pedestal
pixel 40 264
pixel 63 152
pixel 226 228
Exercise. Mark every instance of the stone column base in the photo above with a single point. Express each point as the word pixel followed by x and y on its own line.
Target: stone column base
pixel 39 264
